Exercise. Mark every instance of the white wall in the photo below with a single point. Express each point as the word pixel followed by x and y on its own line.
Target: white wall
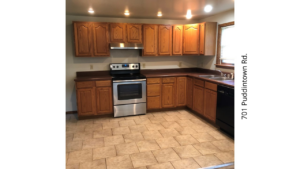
pixel 75 64
pixel 208 62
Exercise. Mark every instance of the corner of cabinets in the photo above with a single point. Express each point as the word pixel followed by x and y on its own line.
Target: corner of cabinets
pixel 208 35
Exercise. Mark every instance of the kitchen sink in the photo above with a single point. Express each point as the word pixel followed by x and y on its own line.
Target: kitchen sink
pixel 220 78
pixel 209 76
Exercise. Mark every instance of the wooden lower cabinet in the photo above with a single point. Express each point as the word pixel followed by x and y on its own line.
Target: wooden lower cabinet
pixel 210 104
pixel 181 91
pixel 198 99
pixel 153 90
pixel 94 98
pixel 168 95
pixel 104 100
pixel 86 104
pixel 153 102
pixel 189 92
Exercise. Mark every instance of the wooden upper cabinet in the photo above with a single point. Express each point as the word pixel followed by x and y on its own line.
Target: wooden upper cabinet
pixel 181 91
pixel 210 104
pixel 86 101
pixel 83 39
pixel 104 100
pixel 191 39
pixel 101 39
pixel 208 32
pixel 150 40
pixel 168 95
pixel 118 32
pixel 134 33
pixel 198 99
pixel 189 92
pixel 165 40
pixel 177 39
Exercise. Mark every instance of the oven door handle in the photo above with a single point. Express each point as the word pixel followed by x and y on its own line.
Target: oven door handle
pixel 139 80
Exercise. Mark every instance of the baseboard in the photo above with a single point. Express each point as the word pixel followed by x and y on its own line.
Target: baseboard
pixel 71 112
pixel 166 109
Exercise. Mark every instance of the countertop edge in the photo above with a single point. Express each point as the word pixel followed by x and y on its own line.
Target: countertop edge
pixel 194 75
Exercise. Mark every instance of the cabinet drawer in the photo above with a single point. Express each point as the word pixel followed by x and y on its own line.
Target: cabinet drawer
pixel 85 84
pixel 103 83
pixel 153 90
pixel 169 80
pixel 211 86
pixel 153 80
pixel 199 82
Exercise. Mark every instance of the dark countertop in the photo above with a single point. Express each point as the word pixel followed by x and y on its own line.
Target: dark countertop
pixel 93 78
pixel 190 74
pixel 106 76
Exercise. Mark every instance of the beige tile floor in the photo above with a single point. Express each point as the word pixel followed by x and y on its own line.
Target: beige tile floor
pixel 159 140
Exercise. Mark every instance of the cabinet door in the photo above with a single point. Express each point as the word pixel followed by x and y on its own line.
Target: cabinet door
pixel 153 90
pixel 153 102
pixel 165 40
pixel 134 33
pixel 202 37
pixel 181 91
pixel 208 33
pixel 198 99
pixel 150 40
pixel 118 32
pixel 104 100
pixel 83 39
pixel 177 39
pixel 189 92
pixel 168 95
pixel 101 39
pixel 86 101
pixel 210 104
pixel 191 39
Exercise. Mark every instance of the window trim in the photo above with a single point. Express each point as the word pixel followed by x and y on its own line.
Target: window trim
pixel 218 61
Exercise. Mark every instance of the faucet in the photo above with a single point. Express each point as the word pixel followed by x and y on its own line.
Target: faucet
pixel 220 72
pixel 232 75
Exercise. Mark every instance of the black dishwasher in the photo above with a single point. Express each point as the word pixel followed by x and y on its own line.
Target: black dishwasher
pixel 225 109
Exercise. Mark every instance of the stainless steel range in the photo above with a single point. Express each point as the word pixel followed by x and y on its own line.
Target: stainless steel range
pixel 129 89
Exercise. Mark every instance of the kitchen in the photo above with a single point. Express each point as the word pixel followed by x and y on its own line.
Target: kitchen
pixel 57 109
pixel 177 99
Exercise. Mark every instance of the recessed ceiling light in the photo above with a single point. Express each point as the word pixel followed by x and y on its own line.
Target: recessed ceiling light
pixel 91 11
pixel 208 8
pixel 126 13
pixel 188 14
pixel 159 14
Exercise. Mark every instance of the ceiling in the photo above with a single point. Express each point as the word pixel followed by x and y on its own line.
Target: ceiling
pixel 171 9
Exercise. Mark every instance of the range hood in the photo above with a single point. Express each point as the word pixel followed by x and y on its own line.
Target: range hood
pixel 126 46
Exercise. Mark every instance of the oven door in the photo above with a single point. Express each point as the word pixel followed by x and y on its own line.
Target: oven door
pixel 129 91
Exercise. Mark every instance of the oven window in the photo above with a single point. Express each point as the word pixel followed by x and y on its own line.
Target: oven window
pixel 129 91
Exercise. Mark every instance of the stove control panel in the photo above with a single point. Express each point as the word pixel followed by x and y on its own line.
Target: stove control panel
pixel 124 66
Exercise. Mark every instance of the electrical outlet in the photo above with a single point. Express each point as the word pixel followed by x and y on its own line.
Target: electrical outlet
pixel 179 64
pixel 91 67
pixel 144 65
